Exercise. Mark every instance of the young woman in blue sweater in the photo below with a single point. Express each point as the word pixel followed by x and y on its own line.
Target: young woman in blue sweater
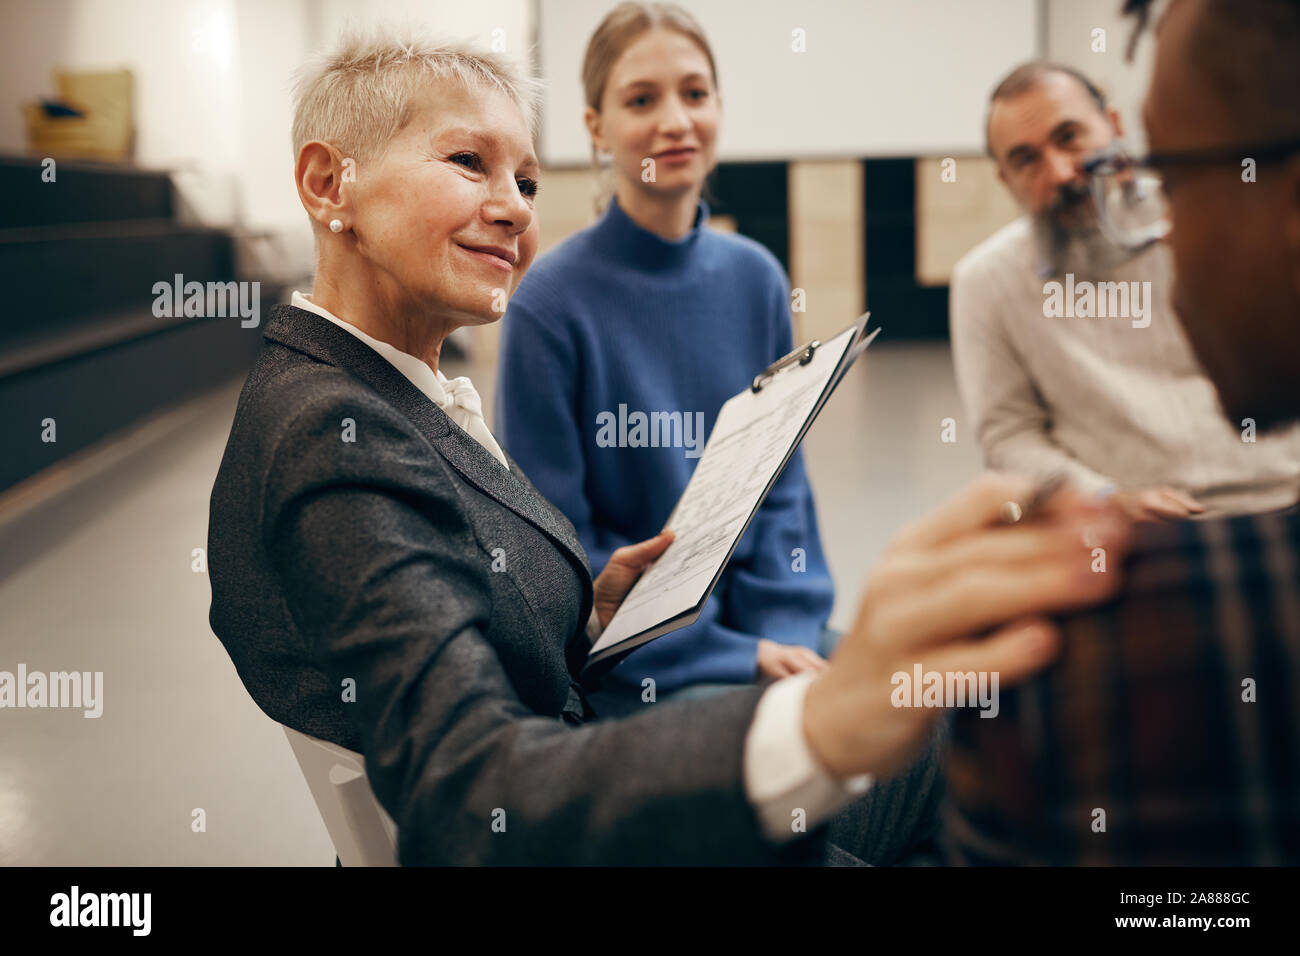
pixel 648 311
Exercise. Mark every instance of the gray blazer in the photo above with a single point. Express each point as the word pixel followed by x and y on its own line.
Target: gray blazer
pixel 382 582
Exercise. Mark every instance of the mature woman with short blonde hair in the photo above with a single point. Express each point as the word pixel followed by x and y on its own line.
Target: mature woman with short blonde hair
pixel 384 577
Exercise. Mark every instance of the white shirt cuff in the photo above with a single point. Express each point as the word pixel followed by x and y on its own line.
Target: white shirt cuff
pixel 593 626
pixel 788 788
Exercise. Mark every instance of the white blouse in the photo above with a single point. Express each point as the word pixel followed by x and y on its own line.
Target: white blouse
pixel 455 396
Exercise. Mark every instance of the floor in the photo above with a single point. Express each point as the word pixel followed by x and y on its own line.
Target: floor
pixel 97 574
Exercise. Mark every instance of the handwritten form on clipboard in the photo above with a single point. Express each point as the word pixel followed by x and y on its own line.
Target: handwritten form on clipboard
pixel 755 434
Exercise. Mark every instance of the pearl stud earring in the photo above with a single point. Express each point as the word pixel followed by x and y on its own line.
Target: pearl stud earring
pixel 336 225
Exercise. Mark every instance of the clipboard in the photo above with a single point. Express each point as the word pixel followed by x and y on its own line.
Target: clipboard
pixel 753 439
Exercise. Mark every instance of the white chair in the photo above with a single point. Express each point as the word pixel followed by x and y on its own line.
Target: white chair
pixel 362 831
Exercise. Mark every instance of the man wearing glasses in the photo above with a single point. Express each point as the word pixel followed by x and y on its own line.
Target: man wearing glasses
pixel 1169 730
pixel 1068 354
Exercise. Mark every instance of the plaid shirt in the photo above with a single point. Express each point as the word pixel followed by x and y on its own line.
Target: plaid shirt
pixel 1169 731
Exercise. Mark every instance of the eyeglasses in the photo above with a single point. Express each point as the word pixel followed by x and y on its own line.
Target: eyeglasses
pixel 1126 198
pixel 1126 190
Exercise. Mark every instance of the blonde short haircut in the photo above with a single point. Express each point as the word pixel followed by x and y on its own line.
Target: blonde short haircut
pixel 360 94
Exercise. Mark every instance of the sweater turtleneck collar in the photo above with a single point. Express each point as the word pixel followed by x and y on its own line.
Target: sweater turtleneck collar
pixel 617 231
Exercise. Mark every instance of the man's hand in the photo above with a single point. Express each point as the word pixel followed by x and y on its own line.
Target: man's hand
pixel 781 660
pixel 1157 504
pixel 958 591
pixel 625 566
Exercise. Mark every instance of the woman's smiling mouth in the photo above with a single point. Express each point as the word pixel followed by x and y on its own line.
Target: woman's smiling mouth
pixel 496 256
pixel 681 154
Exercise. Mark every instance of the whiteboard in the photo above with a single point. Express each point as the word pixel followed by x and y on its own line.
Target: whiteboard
pixel 877 77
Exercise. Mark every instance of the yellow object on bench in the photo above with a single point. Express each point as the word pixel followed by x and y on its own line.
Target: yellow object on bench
pixel 105 131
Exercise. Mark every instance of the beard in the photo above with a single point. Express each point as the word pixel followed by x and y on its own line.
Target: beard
pixel 1070 240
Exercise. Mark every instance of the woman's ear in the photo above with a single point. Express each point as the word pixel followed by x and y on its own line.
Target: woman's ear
pixel 319 172
pixel 591 116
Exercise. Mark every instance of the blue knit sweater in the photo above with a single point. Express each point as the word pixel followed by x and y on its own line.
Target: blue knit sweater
pixel 617 321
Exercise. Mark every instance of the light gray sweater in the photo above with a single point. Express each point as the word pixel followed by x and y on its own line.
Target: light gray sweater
pixel 1114 401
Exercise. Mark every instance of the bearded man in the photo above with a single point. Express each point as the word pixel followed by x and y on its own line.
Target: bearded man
pixel 1069 356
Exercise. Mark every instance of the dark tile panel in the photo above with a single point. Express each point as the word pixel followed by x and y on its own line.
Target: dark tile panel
pixel 895 298
pixel 757 196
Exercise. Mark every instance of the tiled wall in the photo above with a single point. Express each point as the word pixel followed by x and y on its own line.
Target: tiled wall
pixel 837 226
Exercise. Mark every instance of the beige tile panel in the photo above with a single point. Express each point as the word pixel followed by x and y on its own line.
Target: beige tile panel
pixel 826 235
pixel 953 217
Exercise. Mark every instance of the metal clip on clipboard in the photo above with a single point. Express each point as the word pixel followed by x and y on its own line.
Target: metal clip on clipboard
pixel 802 355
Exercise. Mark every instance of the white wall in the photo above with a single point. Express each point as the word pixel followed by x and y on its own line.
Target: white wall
pixel 878 78
pixel 1070 26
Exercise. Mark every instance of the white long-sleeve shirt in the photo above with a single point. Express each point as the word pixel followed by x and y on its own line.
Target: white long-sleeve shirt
pixel 1110 404
pixel 781 774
